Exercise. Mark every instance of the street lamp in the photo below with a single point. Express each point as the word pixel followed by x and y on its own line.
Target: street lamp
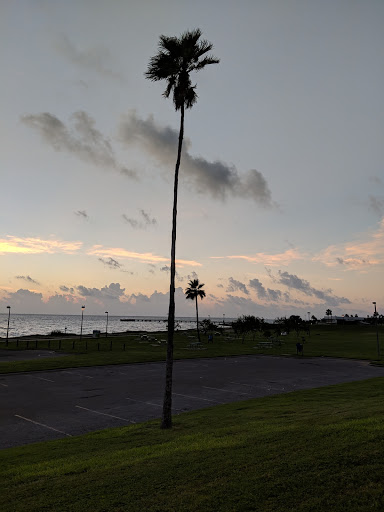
pixel 9 315
pixel 223 318
pixel 82 316
pixel 106 327
pixel 377 332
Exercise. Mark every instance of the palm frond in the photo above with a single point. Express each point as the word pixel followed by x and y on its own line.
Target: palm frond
pixel 177 57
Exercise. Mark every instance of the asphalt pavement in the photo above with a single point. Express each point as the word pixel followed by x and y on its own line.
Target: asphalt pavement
pixel 41 406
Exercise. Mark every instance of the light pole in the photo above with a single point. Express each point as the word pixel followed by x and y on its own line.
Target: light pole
pixel 82 316
pixel 9 315
pixel 377 332
pixel 223 318
pixel 106 327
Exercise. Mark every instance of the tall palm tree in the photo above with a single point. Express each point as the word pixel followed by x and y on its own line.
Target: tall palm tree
pixel 195 290
pixel 176 59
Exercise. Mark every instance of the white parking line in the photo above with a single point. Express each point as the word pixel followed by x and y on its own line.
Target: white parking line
pixel 42 425
pixel 39 378
pixel 226 390
pixel 241 384
pixel 151 403
pixel 199 398
pixel 104 414
pixel 78 373
pixel 142 402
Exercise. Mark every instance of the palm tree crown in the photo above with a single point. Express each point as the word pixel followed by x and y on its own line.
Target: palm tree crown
pixel 177 57
pixel 194 290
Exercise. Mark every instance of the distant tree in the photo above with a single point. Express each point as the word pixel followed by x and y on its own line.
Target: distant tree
pixel 207 325
pixel 282 324
pixel 193 292
pixel 176 59
pixel 314 319
pixel 329 313
pixel 245 324
pixel 296 323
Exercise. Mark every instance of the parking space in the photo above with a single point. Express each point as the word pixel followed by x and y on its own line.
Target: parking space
pixel 48 405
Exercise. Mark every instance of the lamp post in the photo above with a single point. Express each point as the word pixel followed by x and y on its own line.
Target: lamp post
pixel 106 327
pixel 377 332
pixel 9 315
pixel 82 316
pixel 223 318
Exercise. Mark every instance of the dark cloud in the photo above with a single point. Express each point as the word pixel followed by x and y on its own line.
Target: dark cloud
pixel 167 269
pixel 234 286
pixel 132 222
pixel 28 279
pixel 82 140
pixel 94 59
pixel 262 293
pixel 148 221
pixel 113 291
pixel 81 213
pixel 218 179
pixel 65 289
pixel 145 220
pixel 295 282
pixel 376 204
pixel 111 263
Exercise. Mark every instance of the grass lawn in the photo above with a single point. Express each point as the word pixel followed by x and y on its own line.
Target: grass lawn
pixel 327 340
pixel 317 450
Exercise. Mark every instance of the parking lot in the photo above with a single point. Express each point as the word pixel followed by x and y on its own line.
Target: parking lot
pixel 39 406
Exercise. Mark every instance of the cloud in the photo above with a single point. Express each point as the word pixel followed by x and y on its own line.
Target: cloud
pixel 145 220
pixel 82 213
pixel 167 269
pixel 118 252
pixel 283 258
pixel 65 289
pixel 234 286
pixel 25 299
pixel 28 279
pixel 82 140
pixel 113 291
pixel 376 204
pixel 94 59
pixel 148 221
pixel 134 223
pixel 266 294
pixel 17 245
pixel 111 263
pixel 356 255
pixel 292 281
pixel 217 179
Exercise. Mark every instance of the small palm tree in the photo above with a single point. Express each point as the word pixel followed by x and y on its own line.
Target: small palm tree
pixel 193 292
pixel 176 59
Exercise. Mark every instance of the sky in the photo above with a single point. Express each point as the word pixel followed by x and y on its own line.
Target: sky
pixel 281 192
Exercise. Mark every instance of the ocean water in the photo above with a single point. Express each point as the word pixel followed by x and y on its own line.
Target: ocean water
pixel 29 325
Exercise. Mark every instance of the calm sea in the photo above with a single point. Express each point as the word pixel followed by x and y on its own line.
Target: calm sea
pixel 29 325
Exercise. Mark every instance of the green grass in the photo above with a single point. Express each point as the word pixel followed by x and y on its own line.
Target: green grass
pixel 307 451
pixel 357 342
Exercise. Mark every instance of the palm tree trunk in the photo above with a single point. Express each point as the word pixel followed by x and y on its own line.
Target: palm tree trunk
pixel 167 403
pixel 197 321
